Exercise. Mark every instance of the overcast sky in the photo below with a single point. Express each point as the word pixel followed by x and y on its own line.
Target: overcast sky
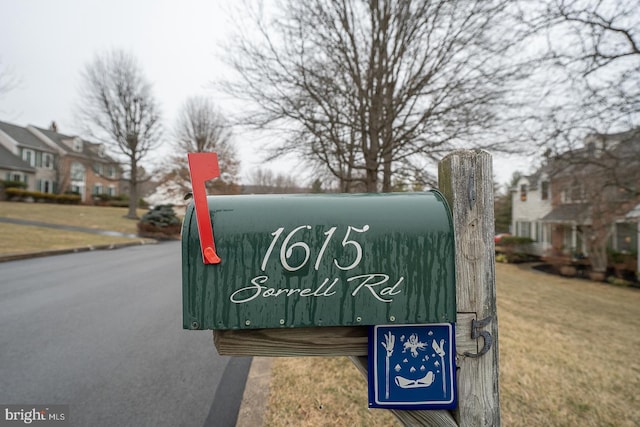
pixel 47 43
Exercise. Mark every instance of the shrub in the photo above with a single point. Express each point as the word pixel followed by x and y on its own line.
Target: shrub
pixel 502 258
pixel 16 194
pixel 119 201
pixel 13 184
pixel 618 281
pixel 160 222
pixel 515 249
pixel 68 199
pixel 515 241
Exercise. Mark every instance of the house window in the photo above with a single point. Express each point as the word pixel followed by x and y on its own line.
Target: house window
pixel 625 237
pixel 77 145
pixel 29 156
pixel 544 190
pixel 44 186
pixel 98 168
pixel 576 193
pixel 111 171
pixel 523 192
pixel 111 191
pixel 77 171
pixel 625 192
pixel 97 189
pixel 18 177
pixel 523 229
pixel 542 232
pixel 47 160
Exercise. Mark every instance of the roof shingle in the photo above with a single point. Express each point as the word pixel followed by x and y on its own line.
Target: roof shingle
pixel 10 161
pixel 24 138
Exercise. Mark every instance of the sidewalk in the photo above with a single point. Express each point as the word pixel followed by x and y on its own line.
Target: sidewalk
pixel 256 393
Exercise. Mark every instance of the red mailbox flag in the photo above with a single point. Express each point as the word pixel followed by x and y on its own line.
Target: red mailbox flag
pixel 202 168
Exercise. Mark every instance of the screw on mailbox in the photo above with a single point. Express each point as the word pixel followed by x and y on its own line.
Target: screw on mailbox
pixel 195 325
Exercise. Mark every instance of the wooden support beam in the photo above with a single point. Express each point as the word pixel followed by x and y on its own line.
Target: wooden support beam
pixel 334 341
pixel 466 180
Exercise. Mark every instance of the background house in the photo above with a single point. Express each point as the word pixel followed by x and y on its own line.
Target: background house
pixel 84 167
pixel 35 153
pixel 578 205
pixel 12 168
pixel 52 162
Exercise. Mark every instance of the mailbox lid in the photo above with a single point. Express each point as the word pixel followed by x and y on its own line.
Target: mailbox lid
pixel 321 260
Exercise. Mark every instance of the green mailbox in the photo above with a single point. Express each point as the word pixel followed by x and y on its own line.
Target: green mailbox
pixel 320 260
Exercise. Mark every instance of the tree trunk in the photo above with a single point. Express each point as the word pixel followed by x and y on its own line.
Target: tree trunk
pixel 133 190
pixel 598 257
pixel 372 180
pixel 386 172
pixel 372 165
pixel 597 239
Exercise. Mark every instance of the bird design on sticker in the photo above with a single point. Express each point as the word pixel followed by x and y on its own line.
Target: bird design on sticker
pixel 413 344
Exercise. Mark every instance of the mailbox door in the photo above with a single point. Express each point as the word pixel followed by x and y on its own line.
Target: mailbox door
pixel 321 260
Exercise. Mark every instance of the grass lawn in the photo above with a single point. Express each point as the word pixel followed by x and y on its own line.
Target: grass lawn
pixel 569 356
pixel 19 239
pixel 105 218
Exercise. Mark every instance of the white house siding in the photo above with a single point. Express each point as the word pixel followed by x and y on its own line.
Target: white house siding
pixel 526 215
pixel 15 175
pixel 34 153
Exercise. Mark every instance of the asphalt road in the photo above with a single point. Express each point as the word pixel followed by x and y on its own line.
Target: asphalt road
pixel 102 332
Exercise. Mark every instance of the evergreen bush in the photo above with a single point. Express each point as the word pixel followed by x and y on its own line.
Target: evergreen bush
pixel 161 222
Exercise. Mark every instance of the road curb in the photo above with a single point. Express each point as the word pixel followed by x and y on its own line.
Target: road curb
pixel 256 393
pixel 88 248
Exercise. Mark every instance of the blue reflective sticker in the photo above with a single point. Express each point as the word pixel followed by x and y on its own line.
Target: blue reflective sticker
pixel 412 366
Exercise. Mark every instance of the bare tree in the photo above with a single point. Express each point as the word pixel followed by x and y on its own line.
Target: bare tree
pixel 117 106
pixel 372 89
pixel 265 181
pixel 594 57
pixel 503 203
pixel 200 128
pixel 590 117
pixel 8 80
pixel 598 184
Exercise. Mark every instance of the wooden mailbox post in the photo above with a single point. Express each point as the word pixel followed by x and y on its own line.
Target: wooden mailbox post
pixel 304 288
